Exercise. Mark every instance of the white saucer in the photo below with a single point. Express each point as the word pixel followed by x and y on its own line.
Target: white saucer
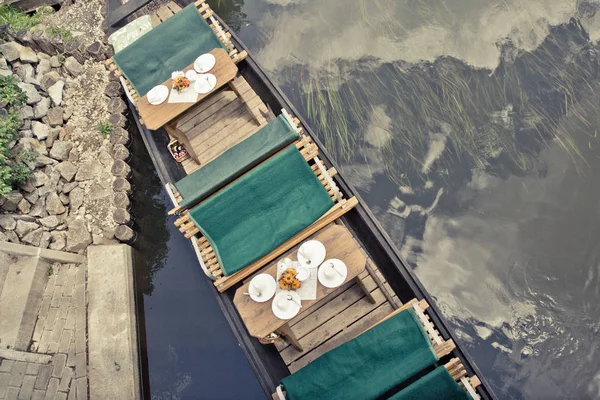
pixel 204 63
pixel 270 286
pixel 317 253
pixel 336 279
pixel 205 83
pixel 293 307
pixel 162 91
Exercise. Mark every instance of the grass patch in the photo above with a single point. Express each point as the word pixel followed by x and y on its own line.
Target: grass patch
pixel 104 128
pixel 64 33
pixel 10 93
pixel 18 20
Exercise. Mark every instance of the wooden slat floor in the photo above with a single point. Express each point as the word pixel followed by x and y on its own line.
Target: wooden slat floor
pixel 347 314
pixel 221 121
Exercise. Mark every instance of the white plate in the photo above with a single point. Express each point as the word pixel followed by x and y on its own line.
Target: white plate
pixel 336 278
pixel 269 287
pixel 204 63
pixel 312 249
pixel 161 92
pixel 292 305
pixel 205 83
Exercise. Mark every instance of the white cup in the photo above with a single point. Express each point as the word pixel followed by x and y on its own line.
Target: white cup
pixel 329 272
pixel 258 287
pixel 307 252
pixel 303 273
pixel 175 74
pixel 283 303
pixel 191 75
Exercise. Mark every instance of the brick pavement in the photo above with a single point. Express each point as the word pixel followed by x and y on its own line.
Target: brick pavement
pixel 60 331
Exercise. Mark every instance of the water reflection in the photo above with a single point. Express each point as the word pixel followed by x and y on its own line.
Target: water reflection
pixel 485 177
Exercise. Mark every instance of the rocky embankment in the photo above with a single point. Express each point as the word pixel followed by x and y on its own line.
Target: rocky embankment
pixel 78 193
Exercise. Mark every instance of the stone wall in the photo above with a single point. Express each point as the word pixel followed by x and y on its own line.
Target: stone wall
pixel 78 193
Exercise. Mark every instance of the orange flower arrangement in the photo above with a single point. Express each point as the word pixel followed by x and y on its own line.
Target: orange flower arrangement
pixel 181 83
pixel 288 281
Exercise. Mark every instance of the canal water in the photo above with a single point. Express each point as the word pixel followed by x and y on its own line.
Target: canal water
pixel 470 128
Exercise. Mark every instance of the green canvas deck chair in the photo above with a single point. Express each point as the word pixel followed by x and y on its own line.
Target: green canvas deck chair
pixel 448 382
pixel 218 35
pixel 234 162
pixel 391 351
pixel 264 213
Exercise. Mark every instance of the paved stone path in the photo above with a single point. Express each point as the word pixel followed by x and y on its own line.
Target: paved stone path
pixel 61 332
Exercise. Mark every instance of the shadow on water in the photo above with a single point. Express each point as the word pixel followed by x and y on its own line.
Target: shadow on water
pixel 188 348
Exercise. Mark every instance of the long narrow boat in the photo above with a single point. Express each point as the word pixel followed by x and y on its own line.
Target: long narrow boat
pixel 272 363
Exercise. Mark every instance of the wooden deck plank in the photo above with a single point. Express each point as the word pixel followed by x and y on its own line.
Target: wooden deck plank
pixel 208 112
pixel 345 335
pixel 164 13
pixel 203 105
pixel 333 326
pixel 212 125
pixel 238 134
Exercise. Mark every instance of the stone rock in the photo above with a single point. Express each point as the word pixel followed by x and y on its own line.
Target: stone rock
pixel 113 89
pixel 26 133
pixel 67 171
pixel 33 237
pixel 124 233
pixel 63 198
pixel 3 63
pixel 49 79
pixel 73 67
pixel 67 187
pixel 105 159
pixel 32 197
pixel 31 92
pixel 116 105
pixel 55 116
pixel 24 206
pixel 98 192
pixel 53 134
pixel 12 237
pixel 12 200
pixel 39 178
pixel 27 55
pixel 42 161
pixel 74 155
pixel 121 200
pixel 10 51
pixel 41 109
pixel 23 228
pixel 24 71
pixel 118 120
pixel 60 150
pixel 27 186
pixel 120 169
pixel 43 67
pixel 39 208
pixel 45 240
pixel 56 92
pixel 4 238
pixel 78 236
pixel 50 221
pixel 25 218
pixel 89 170
pixel 58 240
pixel 40 130
pixel 26 112
pixel 53 204
pixel 54 62
pixel 33 144
pixel 7 222
pixel 120 152
pixel 76 198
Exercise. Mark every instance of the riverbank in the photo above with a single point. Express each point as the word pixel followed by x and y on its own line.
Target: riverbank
pixel 69 122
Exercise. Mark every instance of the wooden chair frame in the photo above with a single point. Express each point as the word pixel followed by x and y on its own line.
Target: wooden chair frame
pixel 294 122
pixel 208 259
pixel 440 346
pixel 168 11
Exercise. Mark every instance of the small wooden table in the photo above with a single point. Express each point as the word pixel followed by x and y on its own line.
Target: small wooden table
pixel 156 117
pixel 259 318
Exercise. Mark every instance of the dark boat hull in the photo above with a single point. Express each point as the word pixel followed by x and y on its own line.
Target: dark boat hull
pixel 265 360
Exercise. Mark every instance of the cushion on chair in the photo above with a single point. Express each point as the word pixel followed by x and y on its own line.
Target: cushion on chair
pixel 170 46
pixel 130 33
pixel 235 161
pixel 261 210
pixel 368 365
pixel 436 385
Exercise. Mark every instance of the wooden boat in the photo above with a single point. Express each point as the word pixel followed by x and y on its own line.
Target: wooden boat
pixel 383 287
